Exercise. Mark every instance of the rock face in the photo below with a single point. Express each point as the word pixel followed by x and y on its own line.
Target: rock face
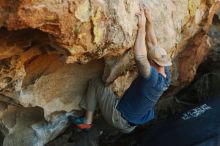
pixel 20 127
pixel 51 48
pixel 207 80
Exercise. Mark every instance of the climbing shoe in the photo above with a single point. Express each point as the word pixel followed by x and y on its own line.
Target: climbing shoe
pixel 79 123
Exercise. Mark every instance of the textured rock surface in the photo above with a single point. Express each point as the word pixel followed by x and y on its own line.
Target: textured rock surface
pixel 207 81
pixel 206 84
pixel 80 26
pixel 45 42
pixel 83 26
pixel 79 31
pixel 20 127
pixel 62 90
pixel 186 30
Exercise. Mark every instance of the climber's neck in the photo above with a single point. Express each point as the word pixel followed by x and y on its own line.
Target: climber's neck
pixel 160 69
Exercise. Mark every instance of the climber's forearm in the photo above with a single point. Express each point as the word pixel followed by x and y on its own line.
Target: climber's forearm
pixel 140 54
pixel 151 39
pixel 139 46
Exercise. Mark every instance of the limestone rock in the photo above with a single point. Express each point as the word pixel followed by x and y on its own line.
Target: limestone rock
pixel 62 89
pixel 206 83
pixel 83 26
pixel 27 127
pixel 49 49
pixel 79 26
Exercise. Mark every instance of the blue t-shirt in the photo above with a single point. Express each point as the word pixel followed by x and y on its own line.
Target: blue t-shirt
pixel 137 104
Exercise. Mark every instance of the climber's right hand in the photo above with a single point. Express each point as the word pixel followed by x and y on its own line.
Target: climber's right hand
pixel 148 15
pixel 141 19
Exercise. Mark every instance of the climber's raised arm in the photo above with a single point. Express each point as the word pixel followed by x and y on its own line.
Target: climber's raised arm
pixel 140 51
pixel 151 39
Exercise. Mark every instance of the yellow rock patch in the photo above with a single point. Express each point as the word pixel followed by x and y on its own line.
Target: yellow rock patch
pixel 83 11
pixel 97 29
pixel 75 49
pixel 192 7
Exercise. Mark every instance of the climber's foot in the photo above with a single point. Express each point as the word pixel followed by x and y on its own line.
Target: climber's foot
pixel 79 123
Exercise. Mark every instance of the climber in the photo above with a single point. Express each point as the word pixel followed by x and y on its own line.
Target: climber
pixel 136 107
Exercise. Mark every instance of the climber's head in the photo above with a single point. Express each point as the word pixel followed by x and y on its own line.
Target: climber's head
pixel 159 57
